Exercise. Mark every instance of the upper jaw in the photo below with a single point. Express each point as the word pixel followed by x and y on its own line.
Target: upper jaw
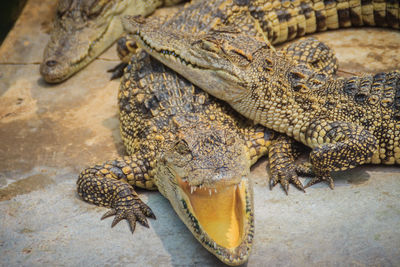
pixel 72 46
pixel 156 39
pixel 65 54
pixel 209 71
pixel 56 70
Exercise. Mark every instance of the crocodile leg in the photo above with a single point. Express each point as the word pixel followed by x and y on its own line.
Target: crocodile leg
pixel 126 48
pixel 315 53
pixel 336 146
pixel 282 155
pixel 282 152
pixel 109 185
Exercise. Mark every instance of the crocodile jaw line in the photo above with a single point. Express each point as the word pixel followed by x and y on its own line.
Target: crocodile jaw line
pixel 73 58
pixel 222 218
pixel 76 47
pixel 68 66
pixel 219 83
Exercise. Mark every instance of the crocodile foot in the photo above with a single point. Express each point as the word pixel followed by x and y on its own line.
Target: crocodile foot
pixel 305 169
pixel 285 176
pixel 132 209
pixel 118 70
pixel 324 177
pixel 126 48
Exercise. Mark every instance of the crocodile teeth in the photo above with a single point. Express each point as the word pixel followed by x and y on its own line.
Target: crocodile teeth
pixel 191 189
pixel 209 190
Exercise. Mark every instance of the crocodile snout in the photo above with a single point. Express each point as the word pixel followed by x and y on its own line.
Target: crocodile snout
pixel 52 71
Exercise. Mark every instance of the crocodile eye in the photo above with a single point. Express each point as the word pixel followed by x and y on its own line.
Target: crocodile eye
pixel 230 141
pixel 182 147
pixel 209 46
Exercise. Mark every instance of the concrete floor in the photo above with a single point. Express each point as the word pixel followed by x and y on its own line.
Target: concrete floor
pixel 50 133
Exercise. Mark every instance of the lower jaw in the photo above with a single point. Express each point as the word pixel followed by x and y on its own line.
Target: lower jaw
pixel 231 252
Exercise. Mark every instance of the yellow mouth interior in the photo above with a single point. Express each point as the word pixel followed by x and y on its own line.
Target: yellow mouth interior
pixel 222 214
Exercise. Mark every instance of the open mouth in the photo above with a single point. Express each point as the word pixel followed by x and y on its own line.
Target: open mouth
pixel 221 218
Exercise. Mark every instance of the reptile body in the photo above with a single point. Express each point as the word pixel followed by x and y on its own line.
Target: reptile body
pixel 196 151
pixel 277 21
pixel 83 29
pixel 346 121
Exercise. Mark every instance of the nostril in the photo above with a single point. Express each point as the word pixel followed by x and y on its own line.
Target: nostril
pixel 51 63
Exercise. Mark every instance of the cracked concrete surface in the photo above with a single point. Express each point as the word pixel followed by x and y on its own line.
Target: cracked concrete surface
pixel 49 133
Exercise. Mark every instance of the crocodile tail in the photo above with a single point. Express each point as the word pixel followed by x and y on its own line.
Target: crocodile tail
pixel 291 19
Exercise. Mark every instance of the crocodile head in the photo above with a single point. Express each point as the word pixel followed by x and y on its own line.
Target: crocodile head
pixel 203 172
pixel 218 62
pixel 83 29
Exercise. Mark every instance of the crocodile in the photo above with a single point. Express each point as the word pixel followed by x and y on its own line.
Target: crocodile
pixel 196 151
pixel 345 121
pixel 83 29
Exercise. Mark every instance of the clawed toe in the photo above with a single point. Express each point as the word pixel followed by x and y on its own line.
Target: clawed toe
pixel 305 169
pixel 323 178
pixel 109 213
pixel 131 210
pixel 285 179
pixel 117 71
pixel 296 182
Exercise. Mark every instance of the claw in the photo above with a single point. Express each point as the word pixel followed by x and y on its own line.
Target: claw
pixel 147 211
pixel 132 209
pixel 109 213
pixel 285 179
pixel 117 71
pixel 272 183
pixel 326 178
pixel 141 219
pixel 119 217
pixel 305 169
pixel 331 184
pixel 296 182
pixel 132 222
pixel 285 186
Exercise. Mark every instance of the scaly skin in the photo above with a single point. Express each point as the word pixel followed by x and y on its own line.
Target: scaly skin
pixel 278 21
pixel 196 151
pixel 347 122
pixel 83 29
